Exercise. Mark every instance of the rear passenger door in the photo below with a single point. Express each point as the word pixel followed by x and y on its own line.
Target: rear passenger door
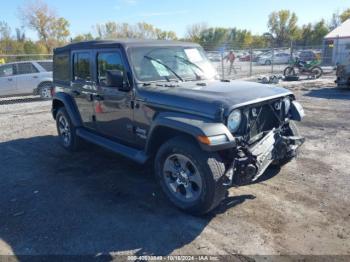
pixel 83 87
pixel 27 78
pixel 8 82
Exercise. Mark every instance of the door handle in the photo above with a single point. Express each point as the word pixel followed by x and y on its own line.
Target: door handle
pixel 35 77
pixel 9 79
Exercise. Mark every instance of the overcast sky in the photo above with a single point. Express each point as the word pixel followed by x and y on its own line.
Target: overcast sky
pixel 176 15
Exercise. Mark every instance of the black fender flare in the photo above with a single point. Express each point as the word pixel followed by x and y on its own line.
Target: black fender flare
pixel 193 126
pixel 69 105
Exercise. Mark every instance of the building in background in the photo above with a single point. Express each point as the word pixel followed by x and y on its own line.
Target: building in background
pixel 336 45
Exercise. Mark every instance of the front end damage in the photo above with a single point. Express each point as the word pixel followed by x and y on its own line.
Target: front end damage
pixel 268 137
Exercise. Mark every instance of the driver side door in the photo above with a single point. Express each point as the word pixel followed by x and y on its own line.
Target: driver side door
pixel 113 107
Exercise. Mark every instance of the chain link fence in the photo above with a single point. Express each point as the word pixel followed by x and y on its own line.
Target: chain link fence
pixel 249 61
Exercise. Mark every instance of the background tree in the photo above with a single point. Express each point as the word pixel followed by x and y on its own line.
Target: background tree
pixel 194 32
pixel 345 15
pixel 283 26
pixel 51 29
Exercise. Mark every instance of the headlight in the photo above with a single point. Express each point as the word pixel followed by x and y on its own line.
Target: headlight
pixel 287 105
pixel 234 120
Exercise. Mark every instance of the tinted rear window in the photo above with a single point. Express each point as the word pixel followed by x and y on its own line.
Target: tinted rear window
pixel 61 67
pixel 26 68
pixel 46 65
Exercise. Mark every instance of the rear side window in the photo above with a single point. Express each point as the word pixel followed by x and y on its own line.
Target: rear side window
pixel 61 68
pixel 6 70
pixel 82 67
pixel 26 68
pixel 108 61
pixel 46 65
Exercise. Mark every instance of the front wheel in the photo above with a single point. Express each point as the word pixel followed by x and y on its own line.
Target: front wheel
pixel 45 91
pixel 317 72
pixel 291 130
pixel 191 178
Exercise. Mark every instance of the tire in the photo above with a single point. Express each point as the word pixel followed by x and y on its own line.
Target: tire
pixel 268 62
pixel 317 72
pixel 293 130
pixel 66 131
pixel 45 91
pixel 289 71
pixel 202 190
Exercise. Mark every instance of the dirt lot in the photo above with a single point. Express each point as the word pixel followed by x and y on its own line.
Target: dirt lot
pixel 94 202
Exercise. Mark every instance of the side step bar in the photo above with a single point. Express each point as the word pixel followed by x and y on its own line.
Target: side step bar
pixel 131 153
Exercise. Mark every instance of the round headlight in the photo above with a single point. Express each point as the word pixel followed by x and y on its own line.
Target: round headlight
pixel 234 120
pixel 287 105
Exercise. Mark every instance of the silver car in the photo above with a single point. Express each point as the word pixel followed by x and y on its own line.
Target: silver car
pixel 279 58
pixel 29 77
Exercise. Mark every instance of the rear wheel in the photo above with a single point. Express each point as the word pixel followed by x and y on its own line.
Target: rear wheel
pixel 191 178
pixel 289 71
pixel 66 131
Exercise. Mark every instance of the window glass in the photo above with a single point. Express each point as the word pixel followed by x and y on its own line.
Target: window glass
pixel 61 67
pixel 106 62
pixel 46 65
pixel 26 68
pixel 6 70
pixel 82 67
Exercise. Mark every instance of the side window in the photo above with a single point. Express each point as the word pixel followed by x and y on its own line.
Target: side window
pixel 6 70
pixel 81 70
pixel 61 67
pixel 46 65
pixel 108 61
pixel 26 68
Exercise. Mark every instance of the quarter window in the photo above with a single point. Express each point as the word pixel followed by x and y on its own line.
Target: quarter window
pixel 106 62
pixel 46 65
pixel 82 70
pixel 6 70
pixel 61 66
pixel 26 68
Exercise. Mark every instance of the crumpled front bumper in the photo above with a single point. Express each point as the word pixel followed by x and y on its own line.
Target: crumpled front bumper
pixel 260 156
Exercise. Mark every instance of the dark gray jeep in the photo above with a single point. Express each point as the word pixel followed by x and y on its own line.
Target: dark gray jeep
pixel 163 101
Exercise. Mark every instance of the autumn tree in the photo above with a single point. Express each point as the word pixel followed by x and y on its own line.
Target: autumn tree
pixel 52 30
pixel 283 27
pixel 194 32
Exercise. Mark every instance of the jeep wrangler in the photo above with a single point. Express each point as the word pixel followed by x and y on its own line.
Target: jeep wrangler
pixel 162 101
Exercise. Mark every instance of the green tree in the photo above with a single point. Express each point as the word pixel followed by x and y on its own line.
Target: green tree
pixel 283 27
pixel 345 15
pixel 52 30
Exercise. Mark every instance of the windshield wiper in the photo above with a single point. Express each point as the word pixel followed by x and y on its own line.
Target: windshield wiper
pixel 166 66
pixel 191 63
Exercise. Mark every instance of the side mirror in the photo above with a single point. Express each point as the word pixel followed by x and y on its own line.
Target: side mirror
pixel 115 78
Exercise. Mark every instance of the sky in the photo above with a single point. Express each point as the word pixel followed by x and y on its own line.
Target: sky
pixel 176 15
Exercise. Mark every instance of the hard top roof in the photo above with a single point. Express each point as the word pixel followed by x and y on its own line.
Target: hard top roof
pixel 123 42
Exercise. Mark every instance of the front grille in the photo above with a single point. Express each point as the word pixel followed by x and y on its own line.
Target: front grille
pixel 262 118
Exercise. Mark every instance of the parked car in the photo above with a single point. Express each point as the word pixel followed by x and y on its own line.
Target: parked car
pixel 245 58
pixel 29 77
pixel 307 55
pixel 162 101
pixel 214 56
pixel 278 58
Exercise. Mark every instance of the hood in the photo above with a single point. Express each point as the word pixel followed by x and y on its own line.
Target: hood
pixel 210 98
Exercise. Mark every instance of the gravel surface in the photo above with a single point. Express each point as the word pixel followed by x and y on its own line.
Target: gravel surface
pixel 94 202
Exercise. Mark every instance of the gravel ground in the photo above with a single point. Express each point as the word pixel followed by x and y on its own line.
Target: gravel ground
pixel 94 202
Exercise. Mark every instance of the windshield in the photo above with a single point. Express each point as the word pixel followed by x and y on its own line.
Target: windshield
pixel 153 64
